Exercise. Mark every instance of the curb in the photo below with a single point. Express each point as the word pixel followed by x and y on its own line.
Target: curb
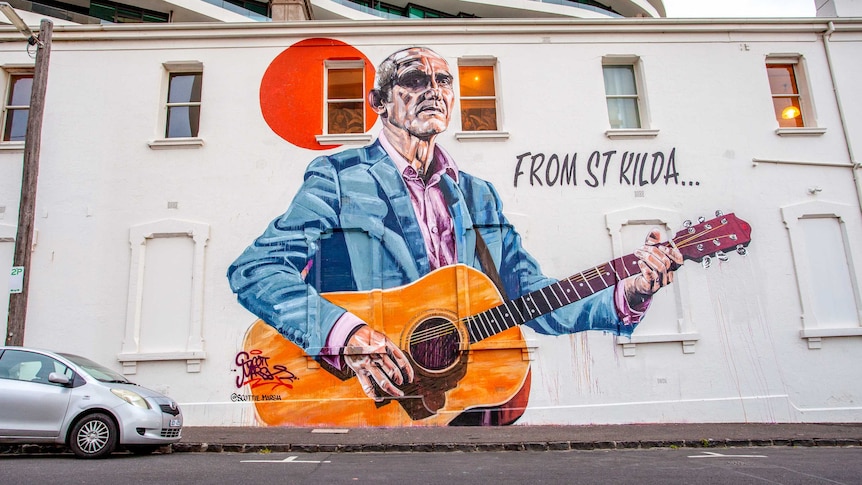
pixel 521 446
pixel 458 447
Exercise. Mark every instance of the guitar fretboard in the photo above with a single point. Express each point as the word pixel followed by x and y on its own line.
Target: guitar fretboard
pixel 545 300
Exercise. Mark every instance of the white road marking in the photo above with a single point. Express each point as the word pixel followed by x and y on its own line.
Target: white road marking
pixel 710 454
pixel 289 459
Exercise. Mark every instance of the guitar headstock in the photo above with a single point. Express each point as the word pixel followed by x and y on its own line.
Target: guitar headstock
pixel 699 242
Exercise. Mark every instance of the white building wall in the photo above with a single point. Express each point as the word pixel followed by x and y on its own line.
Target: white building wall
pixel 708 97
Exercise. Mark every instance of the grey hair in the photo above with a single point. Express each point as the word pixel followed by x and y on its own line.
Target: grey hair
pixel 388 69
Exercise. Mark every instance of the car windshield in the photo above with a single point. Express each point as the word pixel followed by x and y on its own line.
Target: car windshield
pixel 98 372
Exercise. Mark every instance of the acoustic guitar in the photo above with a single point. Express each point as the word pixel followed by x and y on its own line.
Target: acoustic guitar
pixel 462 339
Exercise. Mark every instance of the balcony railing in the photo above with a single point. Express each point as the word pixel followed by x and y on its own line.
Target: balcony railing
pixel 54 12
pixel 585 6
pixel 63 14
pixel 239 10
pixel 387 15
pixel 368 10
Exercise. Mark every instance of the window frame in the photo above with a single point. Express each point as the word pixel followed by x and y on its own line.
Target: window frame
pixel 677 326
pixel 162 141
pixel 326 138
pixel 481 61
pixel 334 65
pixel 633 96
pixel 645 130
pixel 10 73
pixel 190 104
pixel 193 348
pixel 792 96
pixel 803 93
pixel 813 329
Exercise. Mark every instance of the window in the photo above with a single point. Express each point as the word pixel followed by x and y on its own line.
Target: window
pixel 184 104
pixel 478 94
pixel 623 101
pixel 17 109
pixel 345 97
pixel 785 95
pixel 30 367
pixel 791 100
pixel 179 124
pixel 625 97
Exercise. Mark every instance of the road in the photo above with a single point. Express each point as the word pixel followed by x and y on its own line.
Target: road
pixel 764 465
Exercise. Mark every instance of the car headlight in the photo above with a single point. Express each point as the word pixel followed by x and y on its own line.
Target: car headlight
pixel 131 397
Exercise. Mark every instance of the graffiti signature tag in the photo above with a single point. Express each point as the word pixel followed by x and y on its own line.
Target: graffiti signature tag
pixel 256 371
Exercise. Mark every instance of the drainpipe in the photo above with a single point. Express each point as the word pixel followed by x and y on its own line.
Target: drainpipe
pixel 855 166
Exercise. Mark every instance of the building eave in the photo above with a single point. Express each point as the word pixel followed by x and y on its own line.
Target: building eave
pixel 305 29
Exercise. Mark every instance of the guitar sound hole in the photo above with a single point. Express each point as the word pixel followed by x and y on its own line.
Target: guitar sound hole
pixel 435 344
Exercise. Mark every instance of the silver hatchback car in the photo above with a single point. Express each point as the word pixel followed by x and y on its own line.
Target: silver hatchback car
pixel 48 397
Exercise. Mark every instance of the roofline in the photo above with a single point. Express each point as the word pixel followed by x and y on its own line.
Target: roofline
pixel 305 29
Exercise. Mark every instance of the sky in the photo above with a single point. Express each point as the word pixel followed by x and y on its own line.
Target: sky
pixel 739 8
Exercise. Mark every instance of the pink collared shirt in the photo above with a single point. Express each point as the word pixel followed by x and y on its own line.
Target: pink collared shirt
pixel 429 204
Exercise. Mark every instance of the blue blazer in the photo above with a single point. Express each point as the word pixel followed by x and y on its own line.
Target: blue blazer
pixel 353 221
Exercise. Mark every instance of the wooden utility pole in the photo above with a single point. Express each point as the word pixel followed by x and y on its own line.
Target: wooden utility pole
pixel 27 207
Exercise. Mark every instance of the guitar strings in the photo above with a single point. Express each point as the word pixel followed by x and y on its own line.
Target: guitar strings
pixel 433 332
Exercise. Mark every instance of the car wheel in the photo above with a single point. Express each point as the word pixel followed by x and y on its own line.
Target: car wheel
pixel 94 436
pixel 142 449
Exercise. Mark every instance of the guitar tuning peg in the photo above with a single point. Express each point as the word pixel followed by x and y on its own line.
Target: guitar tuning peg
pixel 719 213
pixel 701 219
pixel 722 256
pixel 707 262
pixel 740 249
pixel 687 223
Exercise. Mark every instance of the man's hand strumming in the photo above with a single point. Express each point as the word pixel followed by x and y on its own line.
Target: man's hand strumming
pixel 376 359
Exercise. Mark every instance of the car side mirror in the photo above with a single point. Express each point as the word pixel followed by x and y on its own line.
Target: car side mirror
pixel 58 379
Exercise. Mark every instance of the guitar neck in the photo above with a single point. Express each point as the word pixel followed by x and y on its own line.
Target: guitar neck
pixel 696 242
pixel 552 297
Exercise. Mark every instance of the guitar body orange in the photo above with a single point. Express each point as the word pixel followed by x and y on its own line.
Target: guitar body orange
pixel 425 319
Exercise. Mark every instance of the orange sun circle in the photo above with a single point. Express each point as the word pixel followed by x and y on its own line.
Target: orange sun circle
pixel 291 91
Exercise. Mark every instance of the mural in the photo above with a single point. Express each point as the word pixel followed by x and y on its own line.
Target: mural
pixel 392 290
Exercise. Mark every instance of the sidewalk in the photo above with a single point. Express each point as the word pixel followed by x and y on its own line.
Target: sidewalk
pixel 513 438
pixel 504 438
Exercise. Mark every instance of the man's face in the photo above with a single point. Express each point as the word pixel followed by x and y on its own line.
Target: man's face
pixel 421 101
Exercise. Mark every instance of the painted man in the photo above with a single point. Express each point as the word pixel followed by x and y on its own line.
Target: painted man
pixel 385 215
